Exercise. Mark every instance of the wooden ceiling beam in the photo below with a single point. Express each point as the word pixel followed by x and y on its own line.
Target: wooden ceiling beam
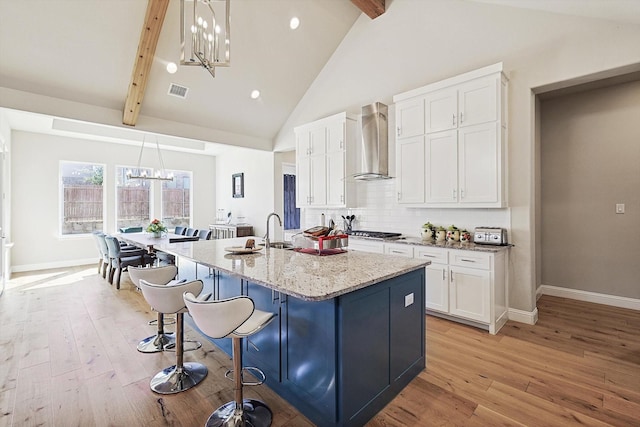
pixel 372 8
pixel 153 20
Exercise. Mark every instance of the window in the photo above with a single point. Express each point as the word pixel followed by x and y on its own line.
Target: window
pixel 82 198
pixel 133 200
pixel 176 200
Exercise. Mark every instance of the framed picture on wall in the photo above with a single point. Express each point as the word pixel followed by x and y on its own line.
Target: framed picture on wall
pixel 237 185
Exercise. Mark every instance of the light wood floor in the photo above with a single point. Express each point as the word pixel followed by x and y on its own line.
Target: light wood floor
pixel 68 358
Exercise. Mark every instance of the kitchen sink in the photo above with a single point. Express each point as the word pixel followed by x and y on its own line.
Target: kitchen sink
pixel 281 245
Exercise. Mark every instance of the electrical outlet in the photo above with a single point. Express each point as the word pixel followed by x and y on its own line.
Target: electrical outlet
pixel 408 300
pixel 620 208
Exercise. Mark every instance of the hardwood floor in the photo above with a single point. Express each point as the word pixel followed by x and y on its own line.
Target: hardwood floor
pixel 68 358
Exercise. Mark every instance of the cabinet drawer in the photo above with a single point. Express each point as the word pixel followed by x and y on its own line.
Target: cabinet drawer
pixel 366 246
pixel 436 255
pixel 470 259
pixel 399 250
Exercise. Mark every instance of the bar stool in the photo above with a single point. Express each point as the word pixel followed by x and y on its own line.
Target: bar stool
pixel 233 318
pixel 164 275
pixel 168 299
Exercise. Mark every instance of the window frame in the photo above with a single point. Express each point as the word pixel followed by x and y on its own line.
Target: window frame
pixel 61 199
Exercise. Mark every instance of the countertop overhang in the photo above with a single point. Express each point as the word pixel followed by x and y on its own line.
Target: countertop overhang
pixel 306 276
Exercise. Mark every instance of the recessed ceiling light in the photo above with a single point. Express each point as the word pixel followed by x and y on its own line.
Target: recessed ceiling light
pixel 294 23
pixel 255 94
pixel 172 68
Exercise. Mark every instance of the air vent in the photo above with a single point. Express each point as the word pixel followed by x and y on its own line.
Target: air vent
pixel 177 90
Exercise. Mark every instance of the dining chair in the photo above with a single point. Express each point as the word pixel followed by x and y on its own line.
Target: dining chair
pixel 103 252
pixel 191 232
pixel 121 258
pixel 204 234
pixel 180 230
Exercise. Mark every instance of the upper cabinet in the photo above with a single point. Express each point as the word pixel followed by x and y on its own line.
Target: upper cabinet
pixel 463 125
pixel 325 158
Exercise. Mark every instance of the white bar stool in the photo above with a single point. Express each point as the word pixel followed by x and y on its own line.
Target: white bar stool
pixel 164 275
pixel 168 300
pixel 233 318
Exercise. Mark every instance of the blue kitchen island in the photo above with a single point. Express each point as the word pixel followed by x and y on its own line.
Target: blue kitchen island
pixel 350 331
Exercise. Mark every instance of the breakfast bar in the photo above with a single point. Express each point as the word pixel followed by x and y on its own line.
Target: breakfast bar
pixel 350 330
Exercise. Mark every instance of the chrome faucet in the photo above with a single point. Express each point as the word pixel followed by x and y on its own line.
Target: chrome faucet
pixel 266 236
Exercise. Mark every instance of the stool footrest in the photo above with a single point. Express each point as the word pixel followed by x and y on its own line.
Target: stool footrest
pixel 187 346
pixel 156 343
pixel 251 370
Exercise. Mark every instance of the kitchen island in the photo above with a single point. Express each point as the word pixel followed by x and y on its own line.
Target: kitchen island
pixel 350 331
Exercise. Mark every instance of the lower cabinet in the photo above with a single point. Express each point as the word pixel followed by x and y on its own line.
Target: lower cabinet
pixel 339 361
pixel 470 286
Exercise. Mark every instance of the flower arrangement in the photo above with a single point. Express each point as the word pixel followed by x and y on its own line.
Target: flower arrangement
pixel 156 226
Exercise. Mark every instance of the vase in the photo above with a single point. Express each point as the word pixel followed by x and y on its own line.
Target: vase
pixel 157 234
pixel 426 234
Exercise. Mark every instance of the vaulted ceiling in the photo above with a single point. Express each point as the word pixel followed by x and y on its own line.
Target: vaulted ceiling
pixel 85 51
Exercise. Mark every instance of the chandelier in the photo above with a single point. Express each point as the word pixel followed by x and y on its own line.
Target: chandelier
pixel 205 33
pixel 156 174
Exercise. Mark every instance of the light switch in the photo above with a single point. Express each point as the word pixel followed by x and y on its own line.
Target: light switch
pixel 620 208
pixel 408 300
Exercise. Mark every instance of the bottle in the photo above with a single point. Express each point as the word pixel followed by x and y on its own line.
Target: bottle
pixel 322 220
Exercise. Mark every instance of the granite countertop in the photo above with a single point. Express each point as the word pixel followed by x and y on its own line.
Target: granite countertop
pixel 305 276
pixel 416 241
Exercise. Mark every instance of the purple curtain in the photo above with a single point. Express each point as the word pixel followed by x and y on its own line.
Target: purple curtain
pixel 291 212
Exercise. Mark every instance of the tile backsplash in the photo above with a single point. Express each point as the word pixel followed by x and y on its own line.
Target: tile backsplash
pixel 377 210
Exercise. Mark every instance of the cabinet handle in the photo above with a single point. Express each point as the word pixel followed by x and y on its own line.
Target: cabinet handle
pixel 461 116
pixel 341 144
pixel 462 193
pixel 393 251
pixel 454 194
pixel 451 276
pixel 342 198
pixel 398 130
pixel 467 260
pixel 444 274
pixel 274 298
pixel 453 120
pixel 428 256
pixel 399 198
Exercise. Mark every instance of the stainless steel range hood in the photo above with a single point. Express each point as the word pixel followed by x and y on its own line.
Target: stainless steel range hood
pixel 375 143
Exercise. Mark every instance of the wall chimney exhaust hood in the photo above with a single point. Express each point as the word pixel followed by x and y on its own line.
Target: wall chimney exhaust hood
pixel 375 143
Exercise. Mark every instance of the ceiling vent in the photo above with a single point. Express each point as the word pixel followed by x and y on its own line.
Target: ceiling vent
pixel 177 90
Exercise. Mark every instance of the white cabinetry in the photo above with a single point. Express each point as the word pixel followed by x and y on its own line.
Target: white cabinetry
pixel 325 156
pixel 464 153
pixel 467 286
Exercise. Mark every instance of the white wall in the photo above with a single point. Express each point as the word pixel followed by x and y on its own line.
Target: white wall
pixel 35 189
pixel 418 42
pixel 258 200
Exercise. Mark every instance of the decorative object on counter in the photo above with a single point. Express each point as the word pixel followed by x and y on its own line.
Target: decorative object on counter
pixel 229 218
pixel 427 232
pixel 465 236
pixel 453 234
pixel 157 228
pixel 237 186
pixel 441 234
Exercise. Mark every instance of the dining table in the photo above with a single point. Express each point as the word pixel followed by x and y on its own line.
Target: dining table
pixel 151 243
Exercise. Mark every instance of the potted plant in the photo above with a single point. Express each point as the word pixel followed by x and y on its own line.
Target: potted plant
pixel 453 234
pixel 427 231
pixel 441 234
pixel 157 228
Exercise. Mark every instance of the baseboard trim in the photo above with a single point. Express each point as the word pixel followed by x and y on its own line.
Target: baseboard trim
pixel 528 317
pixel 613 300
pixel 50 265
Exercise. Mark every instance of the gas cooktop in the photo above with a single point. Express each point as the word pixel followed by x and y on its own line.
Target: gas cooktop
pixel 380 235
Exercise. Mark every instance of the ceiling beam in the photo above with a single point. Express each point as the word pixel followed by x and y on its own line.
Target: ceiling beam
pixel 373 8
pixel 156 11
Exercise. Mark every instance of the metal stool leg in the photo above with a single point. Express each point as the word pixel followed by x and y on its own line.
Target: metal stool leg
pixel 240 412
pixel 181 376
pixel 157 342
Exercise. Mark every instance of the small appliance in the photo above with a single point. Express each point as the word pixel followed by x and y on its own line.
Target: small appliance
pixel 490 236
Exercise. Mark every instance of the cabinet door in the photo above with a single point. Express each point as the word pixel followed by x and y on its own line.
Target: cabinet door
pixel 303 181
pixel 366 246
pixel 478 154
pixel 437 287
pixel 335 132
pixel 469 293
pixel 441 110
pixel 441 164
pixel 264 346
pixel 317 180
pixel 410 118
pixel 335 178
pixel 318 139
pixel 410 170
pixel 477 101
